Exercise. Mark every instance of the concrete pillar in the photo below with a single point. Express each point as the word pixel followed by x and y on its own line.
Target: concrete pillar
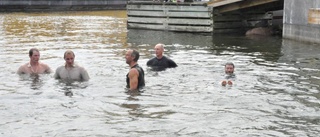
pixel 300 20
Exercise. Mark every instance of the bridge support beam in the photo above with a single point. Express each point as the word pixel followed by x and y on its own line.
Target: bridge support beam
pixel 302 20
pixel 243 5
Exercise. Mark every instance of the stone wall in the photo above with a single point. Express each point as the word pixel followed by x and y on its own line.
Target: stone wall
pixel 53 5
pixel 300 20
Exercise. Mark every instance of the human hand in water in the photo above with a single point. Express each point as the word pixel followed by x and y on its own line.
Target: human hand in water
pixel 230 82
pixel 224 83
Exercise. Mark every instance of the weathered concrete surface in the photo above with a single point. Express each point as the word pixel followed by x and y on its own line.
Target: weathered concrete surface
pixel 296 25
pixel 52 5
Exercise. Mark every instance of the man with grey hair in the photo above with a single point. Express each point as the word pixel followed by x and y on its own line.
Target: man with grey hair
pixel 229 71
pixel 160 62
pixel 34 66
pixel 70 71
pixel 135 77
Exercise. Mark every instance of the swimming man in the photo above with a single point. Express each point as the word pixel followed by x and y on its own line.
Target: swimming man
pixel 160 62
pixel 34 66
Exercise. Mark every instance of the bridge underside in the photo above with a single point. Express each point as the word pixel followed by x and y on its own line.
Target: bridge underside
pixel 224 6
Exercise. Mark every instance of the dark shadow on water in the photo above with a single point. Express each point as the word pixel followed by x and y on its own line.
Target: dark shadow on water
pixel 67 91
pixel 68 87
pixel 156 69
pixel 138 37
pixel 37 83
pixel 36 80
pixel 134 93
pixel 133 103
pixel 269 47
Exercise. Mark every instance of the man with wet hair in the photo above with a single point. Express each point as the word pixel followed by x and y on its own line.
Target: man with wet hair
pixel 70 71
pixel 34 66
pixel 135 77
pixel 160 62
pixel 229 71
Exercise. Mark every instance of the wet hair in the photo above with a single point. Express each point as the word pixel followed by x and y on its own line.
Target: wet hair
pixel 135 54
pixel 68 52
pixel 32 50
pixel 229 63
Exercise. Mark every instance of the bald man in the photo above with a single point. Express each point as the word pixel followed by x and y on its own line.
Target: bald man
pixel 160 62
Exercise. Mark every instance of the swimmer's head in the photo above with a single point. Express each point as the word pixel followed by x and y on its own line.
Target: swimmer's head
pixel 229 68
pixel 69 57
pixel 132 55
pixel 159 48
pixel 34 55
pixel 31 51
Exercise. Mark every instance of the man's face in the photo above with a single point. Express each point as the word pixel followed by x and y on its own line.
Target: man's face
pixel 158 50
pixel 69 58
pixel 35 56
pixel 128 57
pixel 229 69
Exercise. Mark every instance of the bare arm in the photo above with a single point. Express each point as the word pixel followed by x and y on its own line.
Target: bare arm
pixel 47 68
pixel 133 76
pixel 21 70
pixel 84 75
pixel 56 74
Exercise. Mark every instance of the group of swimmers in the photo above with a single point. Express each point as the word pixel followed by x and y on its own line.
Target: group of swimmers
pixel 135 77
pixel 69 71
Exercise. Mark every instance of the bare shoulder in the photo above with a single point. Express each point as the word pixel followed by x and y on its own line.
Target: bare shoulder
pixel 23 68
pixel 46 68
pixel 25 65
pixel 133 72
pixel 44 65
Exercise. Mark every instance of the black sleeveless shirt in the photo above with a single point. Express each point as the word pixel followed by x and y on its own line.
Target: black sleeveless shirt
pixel 141 82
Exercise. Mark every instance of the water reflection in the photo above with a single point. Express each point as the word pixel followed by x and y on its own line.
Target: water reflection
pixel 36 80
pixel 133 103
pixel 67 87
pixel 48 27
pixel 276 92
pixel 268 48
pixel 140 37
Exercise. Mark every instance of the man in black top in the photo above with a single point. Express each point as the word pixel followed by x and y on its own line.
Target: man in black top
pixel 135 77
pixel 160 62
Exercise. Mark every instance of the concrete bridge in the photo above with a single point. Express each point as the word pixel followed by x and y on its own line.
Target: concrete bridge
pixel 298 19
pixel 301 20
